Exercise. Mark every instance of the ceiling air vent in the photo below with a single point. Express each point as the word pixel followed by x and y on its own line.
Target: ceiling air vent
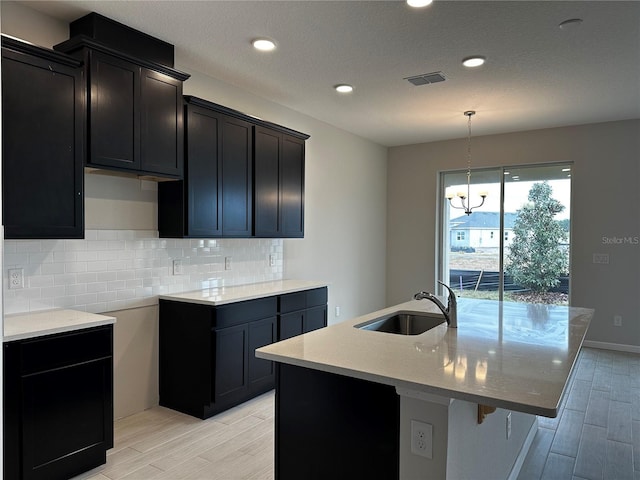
pixel 426 78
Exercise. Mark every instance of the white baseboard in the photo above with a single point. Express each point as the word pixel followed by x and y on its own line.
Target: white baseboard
pixel 618 347
pixel 515 471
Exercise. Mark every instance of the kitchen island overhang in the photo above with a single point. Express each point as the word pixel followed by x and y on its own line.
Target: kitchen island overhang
pixel 516 357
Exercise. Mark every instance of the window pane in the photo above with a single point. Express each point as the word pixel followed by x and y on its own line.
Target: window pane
pixel 537 218
pixel 470 262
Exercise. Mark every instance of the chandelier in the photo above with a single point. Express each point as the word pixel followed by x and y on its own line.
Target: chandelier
pixel 465 198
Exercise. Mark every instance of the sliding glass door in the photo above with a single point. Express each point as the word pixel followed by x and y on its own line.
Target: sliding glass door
pixel 515 246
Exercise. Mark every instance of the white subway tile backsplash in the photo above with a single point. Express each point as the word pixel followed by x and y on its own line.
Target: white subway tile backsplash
pixel 117 269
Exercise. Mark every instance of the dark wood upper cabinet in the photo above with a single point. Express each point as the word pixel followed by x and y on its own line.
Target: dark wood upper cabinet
pixel 135 115
pixel 243 178
pixel 236 141
pixel 278 184
pixel 215 198
pixel 43 100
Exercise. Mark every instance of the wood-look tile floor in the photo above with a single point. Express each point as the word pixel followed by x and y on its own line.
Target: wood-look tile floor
pixel 596 435
pixel 163 444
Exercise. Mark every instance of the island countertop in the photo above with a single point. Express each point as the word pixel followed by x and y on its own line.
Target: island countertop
pixel 238 293
pixel 509 355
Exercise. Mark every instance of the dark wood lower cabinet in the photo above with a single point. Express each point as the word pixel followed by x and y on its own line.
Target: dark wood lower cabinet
pixel 207 359
pixel 302 312
pixel 332 426
pixel 58 404
pixel 207 353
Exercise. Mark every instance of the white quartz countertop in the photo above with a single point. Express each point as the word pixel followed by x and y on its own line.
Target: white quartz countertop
pixel 47 322
pixel 509 355
pixel 238 293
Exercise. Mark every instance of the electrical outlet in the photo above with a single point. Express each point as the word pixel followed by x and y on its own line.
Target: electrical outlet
pixel 617 320
pixel 421 439
pixel 337 310
pixel 602 258
pixel 177 267
pixel 508 425
pixel 16 278
pixel 272 260
pixel 227 263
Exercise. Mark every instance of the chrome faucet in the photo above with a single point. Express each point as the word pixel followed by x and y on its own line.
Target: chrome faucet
pixel 450 312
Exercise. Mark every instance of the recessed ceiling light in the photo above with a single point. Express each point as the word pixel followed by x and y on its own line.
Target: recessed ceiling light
pixel 474 61
pixel 263 44
pixel 419 3
pixel 343 88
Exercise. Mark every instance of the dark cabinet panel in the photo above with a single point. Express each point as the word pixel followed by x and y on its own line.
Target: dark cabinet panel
pixel 338 410
pixel 135 117
pixel 61 413
pixel 291 324
pixel 236 147
pixel 292 187
pixel 232 368
pixel 278 184
pixel 114 98
pixel 42 148
pixel 315 318
pixel 266 163
pixel 203 174
pixel 261 372
pixel 161 124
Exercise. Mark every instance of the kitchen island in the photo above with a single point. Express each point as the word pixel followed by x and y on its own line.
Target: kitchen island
pixel 346 397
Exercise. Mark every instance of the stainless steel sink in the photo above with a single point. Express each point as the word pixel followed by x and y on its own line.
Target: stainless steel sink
pixel 404 323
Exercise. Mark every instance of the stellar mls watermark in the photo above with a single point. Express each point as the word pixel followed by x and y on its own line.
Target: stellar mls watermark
pixel 630 240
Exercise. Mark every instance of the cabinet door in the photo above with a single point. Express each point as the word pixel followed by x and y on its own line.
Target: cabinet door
pixel 266 163
pixel 203 174
pixel 231 367
pixel 292 187
pixel 114 127
pixel 63 413
pixel 161 124
pixel 42 148
pixel 290 325
pixel 315 318
pixel 261 372
pixel 236 147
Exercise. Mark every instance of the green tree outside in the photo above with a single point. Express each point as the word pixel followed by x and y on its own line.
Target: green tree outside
pixel 536 258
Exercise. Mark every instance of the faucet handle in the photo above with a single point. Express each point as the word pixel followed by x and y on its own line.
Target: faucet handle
pixel 452 296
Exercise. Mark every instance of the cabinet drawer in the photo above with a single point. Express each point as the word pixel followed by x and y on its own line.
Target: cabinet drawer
pixel 316 297
pixel 48 353
pixel 293 301
pixel 244 312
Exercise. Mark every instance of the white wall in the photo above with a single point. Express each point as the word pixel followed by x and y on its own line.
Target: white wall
pixel 605 203
pixel 345 215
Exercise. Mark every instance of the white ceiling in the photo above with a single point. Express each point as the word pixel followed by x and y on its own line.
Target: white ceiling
pixel 536 76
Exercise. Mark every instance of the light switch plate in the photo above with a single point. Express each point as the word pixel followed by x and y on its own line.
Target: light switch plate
pixel 602 258
pixel 177 267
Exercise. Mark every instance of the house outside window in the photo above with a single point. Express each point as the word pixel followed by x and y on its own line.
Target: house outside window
pixel 459 236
